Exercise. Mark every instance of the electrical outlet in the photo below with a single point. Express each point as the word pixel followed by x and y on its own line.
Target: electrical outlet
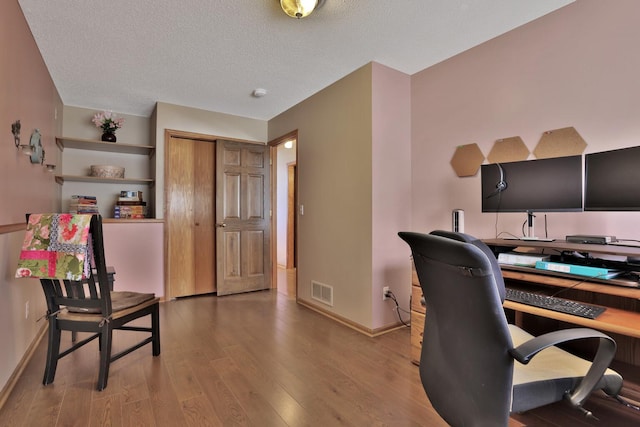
pixel 26 310
pixel 385 293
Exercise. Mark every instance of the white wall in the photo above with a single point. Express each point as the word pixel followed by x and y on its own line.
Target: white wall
pixel 284 157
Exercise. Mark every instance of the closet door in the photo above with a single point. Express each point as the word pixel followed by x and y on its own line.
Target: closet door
pixel 242 217
pixel 190 216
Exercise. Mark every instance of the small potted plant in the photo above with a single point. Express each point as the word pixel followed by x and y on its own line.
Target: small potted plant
pixel 109 123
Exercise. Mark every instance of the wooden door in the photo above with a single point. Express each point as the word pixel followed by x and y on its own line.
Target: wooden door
pixel 242 217
pixel 190 216
pixel 292 226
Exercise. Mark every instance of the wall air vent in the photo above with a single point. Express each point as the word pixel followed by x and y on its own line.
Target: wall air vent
pixel 322 293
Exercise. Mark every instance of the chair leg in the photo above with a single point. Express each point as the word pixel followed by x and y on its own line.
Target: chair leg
pixel 53 350
pixel 105 355
pixel 155 329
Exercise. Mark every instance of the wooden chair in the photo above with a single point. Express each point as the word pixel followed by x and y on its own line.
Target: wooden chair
pixel 92 307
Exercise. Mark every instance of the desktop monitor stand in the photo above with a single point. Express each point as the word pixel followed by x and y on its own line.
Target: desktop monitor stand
pixel 530 233
pixel 530 223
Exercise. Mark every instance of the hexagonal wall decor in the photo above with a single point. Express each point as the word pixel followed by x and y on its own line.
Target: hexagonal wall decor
pixel 467 159
pixel 508 150
pixel 559 143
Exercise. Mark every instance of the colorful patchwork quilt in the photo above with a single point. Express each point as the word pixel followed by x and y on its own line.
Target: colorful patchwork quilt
pixel 56 246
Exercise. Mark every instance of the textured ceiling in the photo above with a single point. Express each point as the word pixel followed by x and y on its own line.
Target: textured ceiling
pixel 126 55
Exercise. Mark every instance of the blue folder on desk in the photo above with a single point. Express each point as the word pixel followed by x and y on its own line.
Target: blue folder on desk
pixel 578 270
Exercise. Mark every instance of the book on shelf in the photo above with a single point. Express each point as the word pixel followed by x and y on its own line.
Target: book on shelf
pixel 81 196
pixel 136 211
pixel 86 200
pixel 83 208
pixel 130 203
pixel 126 193
pixel 83 204
pixel 129 215
pixel 130 196
pixel 135 208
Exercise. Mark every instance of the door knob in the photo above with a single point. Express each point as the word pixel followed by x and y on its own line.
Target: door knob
pixel 221 225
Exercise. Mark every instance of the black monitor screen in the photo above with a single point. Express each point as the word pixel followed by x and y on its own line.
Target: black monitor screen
pixel 612 180
pixel 544 185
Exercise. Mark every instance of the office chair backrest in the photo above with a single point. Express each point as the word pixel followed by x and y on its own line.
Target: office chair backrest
pixel 465 367
pixel 461 237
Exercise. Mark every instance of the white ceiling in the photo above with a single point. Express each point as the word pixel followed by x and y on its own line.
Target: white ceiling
pixel 125 55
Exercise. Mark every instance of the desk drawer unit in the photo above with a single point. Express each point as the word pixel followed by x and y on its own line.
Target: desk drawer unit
pixel 417 317
pixel 417 329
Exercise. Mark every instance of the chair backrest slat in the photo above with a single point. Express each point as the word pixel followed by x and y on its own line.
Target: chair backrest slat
pixel 92 294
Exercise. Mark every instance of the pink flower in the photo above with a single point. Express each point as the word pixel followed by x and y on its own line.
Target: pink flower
pixel 107 121
pixel 44 232
pixel 64 219
pixel 23 272
pixel 28 239
pixel 69 232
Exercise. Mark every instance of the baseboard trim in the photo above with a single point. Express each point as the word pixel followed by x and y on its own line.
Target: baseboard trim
pixel 351 324
pixel 26 358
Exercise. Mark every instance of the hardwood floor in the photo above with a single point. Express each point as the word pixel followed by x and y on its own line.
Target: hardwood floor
pixel 256 359
pixel 286 281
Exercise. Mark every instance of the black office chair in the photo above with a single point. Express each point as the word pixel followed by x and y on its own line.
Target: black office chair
pixel 89 305
pixel 467 362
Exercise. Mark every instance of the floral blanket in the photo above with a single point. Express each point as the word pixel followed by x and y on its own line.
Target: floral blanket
pixel 56 246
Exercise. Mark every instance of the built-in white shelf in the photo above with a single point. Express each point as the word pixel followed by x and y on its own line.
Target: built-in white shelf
pixel 95 145
pixel 60 179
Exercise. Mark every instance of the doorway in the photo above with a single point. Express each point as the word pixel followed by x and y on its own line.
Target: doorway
pixel 284 218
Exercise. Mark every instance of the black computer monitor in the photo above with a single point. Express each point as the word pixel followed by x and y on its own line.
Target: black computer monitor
pixel 544 185
pixel 612 180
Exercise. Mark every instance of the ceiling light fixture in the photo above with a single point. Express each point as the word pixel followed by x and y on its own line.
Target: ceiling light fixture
pixel 300 8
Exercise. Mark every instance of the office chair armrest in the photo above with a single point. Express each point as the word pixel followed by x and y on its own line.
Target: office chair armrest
pixel 527 350
pixel 601 361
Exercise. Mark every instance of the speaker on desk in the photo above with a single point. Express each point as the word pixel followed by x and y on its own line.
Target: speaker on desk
pixel 457 221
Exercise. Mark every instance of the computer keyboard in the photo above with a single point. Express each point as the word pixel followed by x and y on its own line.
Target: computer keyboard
pixel 554 303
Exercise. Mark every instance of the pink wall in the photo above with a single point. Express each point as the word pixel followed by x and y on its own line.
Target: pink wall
pixel 576 67
pixel 135 249
pixel 29 96
pixel 391 189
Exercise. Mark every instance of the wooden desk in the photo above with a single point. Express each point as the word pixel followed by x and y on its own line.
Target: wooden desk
pixel 615 320
pixel 561 245
pixel 622 315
